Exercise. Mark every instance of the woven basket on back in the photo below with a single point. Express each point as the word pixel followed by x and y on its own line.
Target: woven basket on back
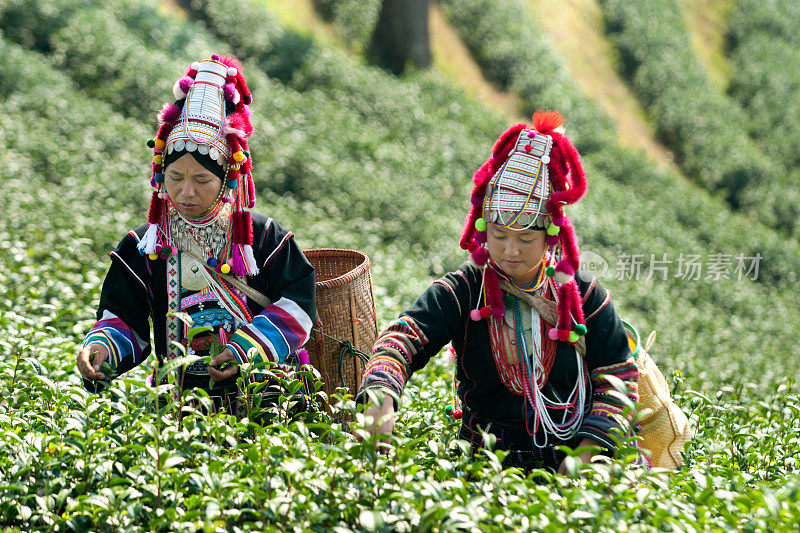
pixel 665 429
pixel 345 311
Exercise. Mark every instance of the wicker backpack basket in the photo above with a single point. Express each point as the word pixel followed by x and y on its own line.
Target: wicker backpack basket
pixel 345 312
pixel 665 429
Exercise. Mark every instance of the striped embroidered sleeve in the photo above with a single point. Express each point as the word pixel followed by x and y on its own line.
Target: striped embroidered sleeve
pixel 119 340
pixel 395 348
pixel 123 313
pixel 609 413
pixel 279 330
pixel 607 354
pixel 287 279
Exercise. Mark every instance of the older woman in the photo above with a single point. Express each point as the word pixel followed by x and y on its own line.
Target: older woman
pixel 240 275
pixel 534 338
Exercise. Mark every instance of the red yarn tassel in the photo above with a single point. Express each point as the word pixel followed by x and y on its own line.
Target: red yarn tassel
pixel 156 210
pixel 563 307
pixel 242 227
pixel 494 294
pixel 577 176
pixel 569 243
pixel 244 91
pixel 576 303
pixel 233 143
pixel 251 192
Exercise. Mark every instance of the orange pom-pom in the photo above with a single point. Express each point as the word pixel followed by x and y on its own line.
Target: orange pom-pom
pixel 547 121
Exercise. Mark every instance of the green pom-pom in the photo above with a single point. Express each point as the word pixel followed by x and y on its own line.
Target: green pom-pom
pixel 580 329
pixel 550 271
pixel 480 224
pixel 552 229
pixel 509 299
pixel 151 143
pixel 246 153
pixel 448 410
pixel 573 337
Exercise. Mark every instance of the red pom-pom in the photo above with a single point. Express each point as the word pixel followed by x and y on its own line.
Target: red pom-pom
pixel 485 312
pixel 563 335
pixel 169 114
pixel 480 255
pixel 185 83
pixel 565 267
pixel 229 92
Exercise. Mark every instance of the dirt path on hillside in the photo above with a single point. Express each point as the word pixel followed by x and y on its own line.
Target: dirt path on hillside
pixel 576 30
pixel 707 21
pixel 453 58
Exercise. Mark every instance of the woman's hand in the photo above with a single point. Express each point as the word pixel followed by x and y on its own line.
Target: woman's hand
pixel 379 419
pixel 229 372
pixel 585 457
pixel 89 361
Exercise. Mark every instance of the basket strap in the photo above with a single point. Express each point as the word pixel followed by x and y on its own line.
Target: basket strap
pixel 349 349
pixel 258 297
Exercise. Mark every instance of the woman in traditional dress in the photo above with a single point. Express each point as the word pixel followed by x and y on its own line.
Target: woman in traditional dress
pixel 202 252
pixel 534 338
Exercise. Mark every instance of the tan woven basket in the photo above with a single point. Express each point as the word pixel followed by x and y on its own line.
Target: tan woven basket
pixel 665 429
pixel 345 311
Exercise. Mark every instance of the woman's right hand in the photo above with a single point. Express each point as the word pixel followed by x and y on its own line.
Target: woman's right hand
pixel 380 419
pixel 89 361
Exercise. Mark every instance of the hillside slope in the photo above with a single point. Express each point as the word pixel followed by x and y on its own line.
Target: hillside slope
pixel 576 31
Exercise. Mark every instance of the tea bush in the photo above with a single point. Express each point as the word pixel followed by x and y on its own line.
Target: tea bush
pixel 702 126
pixel 763 38
pixel 346 156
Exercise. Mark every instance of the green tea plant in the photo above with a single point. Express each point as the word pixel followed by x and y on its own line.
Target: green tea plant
pixel 337 139
pixel 765 74
pixel 702 126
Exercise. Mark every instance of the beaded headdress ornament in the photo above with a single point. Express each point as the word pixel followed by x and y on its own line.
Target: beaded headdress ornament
pixel 532 174
pixel 210 117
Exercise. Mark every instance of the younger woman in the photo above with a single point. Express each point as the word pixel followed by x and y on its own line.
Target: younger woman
pixel 534 338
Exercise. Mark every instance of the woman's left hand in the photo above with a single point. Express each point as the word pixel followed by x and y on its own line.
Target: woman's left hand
pixel 585 457
pixel 221 375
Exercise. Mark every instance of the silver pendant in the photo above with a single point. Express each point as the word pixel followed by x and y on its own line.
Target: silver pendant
pixel 191 276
